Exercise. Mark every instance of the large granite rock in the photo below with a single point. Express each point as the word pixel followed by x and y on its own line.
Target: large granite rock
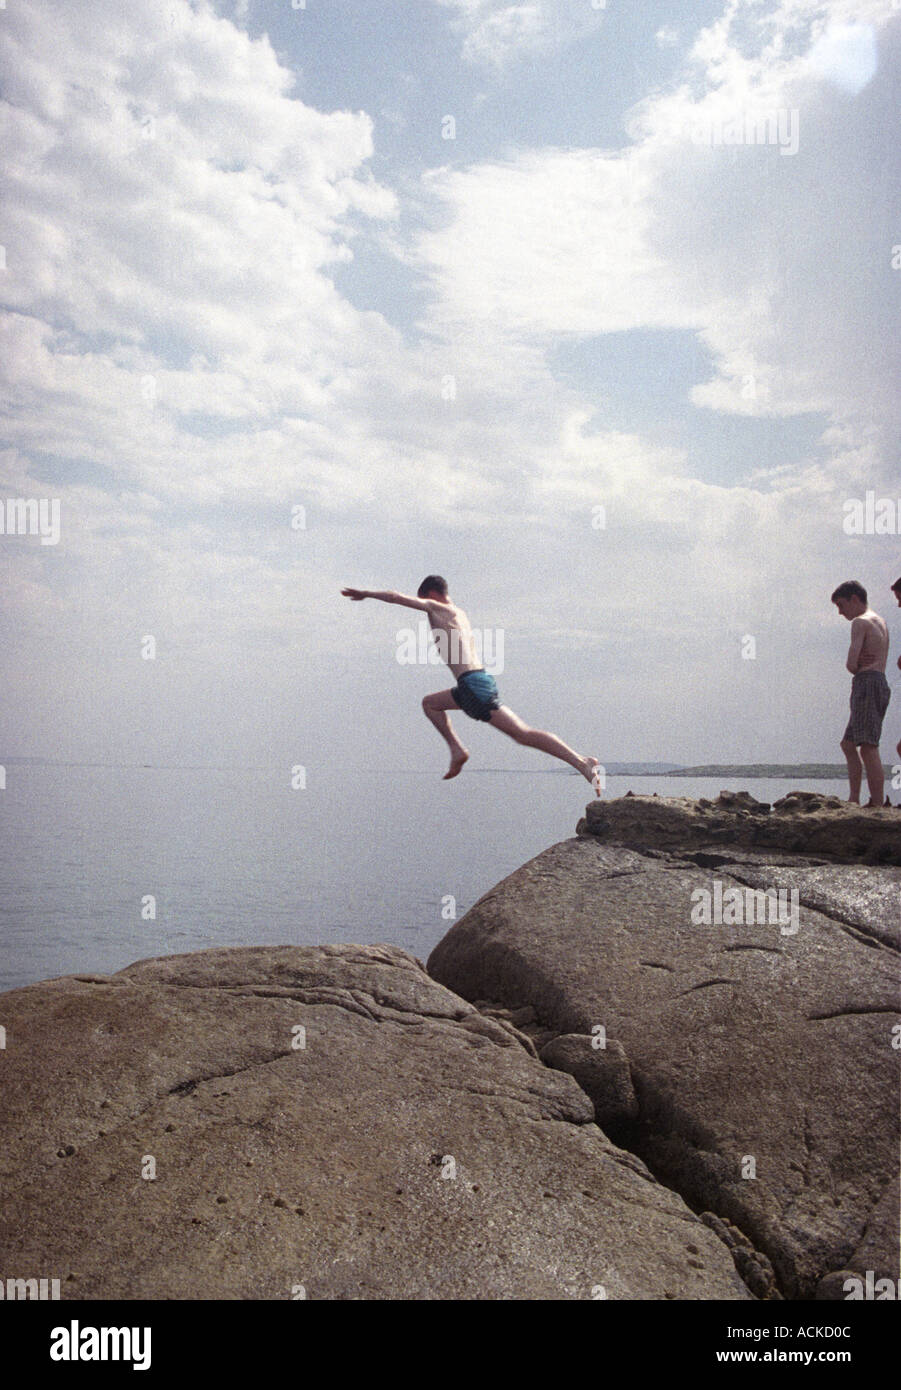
pixel 412 1148
pixel 760 1052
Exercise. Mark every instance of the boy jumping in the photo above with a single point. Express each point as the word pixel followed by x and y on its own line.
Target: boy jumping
pixel 475 692
pixel 870 692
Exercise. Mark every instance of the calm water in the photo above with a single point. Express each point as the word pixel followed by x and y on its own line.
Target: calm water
pixel 237 858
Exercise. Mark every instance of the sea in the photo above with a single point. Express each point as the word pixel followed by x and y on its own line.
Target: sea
pixel 101 866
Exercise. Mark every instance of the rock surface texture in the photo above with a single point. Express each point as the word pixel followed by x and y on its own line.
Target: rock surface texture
pixel 752 1051
pixel 327 1122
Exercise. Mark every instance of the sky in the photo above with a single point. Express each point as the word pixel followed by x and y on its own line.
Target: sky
pixel 591 308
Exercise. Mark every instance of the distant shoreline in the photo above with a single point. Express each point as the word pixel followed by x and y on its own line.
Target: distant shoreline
pixel 779 771
pixel 799 771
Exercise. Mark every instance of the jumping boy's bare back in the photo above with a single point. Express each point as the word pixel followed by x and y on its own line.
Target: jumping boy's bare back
pixel 475 692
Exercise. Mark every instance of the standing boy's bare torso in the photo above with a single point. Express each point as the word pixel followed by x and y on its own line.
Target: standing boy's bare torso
pixel 874 651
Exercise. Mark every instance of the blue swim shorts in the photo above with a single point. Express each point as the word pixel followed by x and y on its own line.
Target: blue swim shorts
pixel 476 694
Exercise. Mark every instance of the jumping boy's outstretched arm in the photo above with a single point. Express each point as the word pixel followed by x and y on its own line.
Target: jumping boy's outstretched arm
pixel 390 596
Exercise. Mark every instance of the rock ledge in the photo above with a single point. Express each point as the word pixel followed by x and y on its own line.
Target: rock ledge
pixel 801 823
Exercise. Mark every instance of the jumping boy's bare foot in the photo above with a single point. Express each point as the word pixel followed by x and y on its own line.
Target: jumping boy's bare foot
pixel 457 761
pixel 590 770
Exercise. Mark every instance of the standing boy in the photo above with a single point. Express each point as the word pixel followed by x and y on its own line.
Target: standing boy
pixel 870 692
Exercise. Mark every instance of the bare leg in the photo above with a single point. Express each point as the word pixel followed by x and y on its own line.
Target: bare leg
pixel 869 753
pixel 855 770
pixel 511 724
pixel 435 708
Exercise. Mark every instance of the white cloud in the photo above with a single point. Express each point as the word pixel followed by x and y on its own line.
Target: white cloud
pixel 553 241
pixel 174 216
pixel 495 32
pixel 781 262
pixel 846 55
pixel 211 190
